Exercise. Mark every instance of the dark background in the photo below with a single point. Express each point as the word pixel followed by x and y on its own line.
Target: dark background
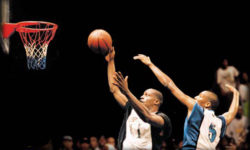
pixel 71 96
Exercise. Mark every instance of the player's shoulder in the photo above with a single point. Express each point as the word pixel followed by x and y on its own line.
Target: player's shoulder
pixel 167 123
pixel 197 106
pixel 162 114
pixel 197 112
pixel 127 107
pixel 165 117
pixel 221 118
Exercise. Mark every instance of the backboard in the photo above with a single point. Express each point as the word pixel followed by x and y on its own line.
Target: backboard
pixel 4 18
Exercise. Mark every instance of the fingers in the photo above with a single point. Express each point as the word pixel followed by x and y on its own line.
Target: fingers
pixel 229 87
pixel 120 74
pixel 232 89
pixel 111 54
pixel 118 77
pixel 139 56
pixel 119 86
pixel 112 51
pixel 116 85
pixel 136 57
pixel 126 79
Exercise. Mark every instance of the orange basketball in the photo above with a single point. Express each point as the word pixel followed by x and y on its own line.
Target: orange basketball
pixel 100 41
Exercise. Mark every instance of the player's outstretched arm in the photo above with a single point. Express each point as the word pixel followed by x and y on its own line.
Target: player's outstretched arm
pixel 120 98
pixel 167 82
pixel 229 116
pixel 139 107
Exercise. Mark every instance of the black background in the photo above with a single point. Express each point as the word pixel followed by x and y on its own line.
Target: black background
pixel 187 41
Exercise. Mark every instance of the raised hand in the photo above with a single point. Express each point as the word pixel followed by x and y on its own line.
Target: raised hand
pixel 231 88
pixel 111 55
pixel 121 82
pixel 144 59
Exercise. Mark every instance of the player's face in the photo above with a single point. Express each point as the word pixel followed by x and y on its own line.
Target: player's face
pixel 148 97
pixel 202 99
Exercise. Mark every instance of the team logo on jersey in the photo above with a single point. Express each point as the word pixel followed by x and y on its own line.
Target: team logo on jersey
pixel 212 133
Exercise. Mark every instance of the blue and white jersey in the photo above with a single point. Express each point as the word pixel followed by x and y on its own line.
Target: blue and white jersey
pixel 203 130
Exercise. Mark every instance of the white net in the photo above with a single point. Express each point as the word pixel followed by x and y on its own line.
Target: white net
pixel 36 38
pixel 36 56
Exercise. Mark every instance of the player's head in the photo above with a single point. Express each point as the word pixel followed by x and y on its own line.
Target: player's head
pixel 152 97
pixel 207 99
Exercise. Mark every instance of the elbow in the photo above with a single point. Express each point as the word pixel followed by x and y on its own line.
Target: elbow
pixel 168 84
pixel 165 82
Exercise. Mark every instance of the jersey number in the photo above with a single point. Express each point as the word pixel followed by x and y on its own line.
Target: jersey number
pixel 212 133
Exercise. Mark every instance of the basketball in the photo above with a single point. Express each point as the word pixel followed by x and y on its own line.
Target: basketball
pixel 100 41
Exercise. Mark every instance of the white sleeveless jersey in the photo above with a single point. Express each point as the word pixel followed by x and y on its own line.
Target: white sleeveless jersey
pixel 135 134
pixel 138 135
pixel 203 130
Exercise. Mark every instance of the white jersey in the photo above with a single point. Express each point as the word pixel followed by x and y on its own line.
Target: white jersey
pixel 138 135
pixel 135 134
pixel 203 130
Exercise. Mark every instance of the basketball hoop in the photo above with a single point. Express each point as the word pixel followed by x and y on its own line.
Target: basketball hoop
pixel 36 36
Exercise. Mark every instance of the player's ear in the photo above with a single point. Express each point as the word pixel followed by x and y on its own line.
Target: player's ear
pixel 208 105
pixel 157 102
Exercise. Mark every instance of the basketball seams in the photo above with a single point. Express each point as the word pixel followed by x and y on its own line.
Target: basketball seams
pixel 100 41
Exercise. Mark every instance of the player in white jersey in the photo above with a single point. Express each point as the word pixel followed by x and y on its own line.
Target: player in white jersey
pixel 202 129
pixel 142 123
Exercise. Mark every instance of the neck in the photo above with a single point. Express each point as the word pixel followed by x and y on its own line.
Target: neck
pixel 209 108
pixel 153 109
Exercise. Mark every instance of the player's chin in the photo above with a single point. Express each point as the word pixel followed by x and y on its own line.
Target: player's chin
pixel 142 101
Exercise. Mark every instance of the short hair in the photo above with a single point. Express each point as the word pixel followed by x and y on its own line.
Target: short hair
pixel 158 95
pixel 213 99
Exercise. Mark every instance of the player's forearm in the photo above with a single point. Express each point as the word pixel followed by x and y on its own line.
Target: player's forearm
pixel 168 82
pixel 229 116
pixel 139 107
pixel 111 71
pixel 234 105
pixel 161 76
